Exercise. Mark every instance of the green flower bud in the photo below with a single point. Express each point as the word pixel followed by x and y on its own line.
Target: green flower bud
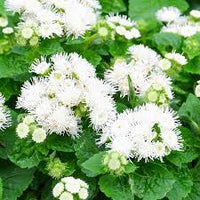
pixel 56 168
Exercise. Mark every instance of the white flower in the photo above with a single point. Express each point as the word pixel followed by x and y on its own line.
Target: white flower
pixel 195 13
pixel 168 14
pixel 8 30
pixel 158 84
pixel 123 26
pixel 29 120
pixel 27 33
pixel 71 17
pixel 178 58
pixel 144 54
pixel 40 66
pixel 72 185
pixel 3 21
pixel 164 64
pixel 58 189
pixel 149 132
pixel 71 81
pixel 22 130
pixel 83 193
pixel 39 135
pixel 66 196
pixel 120 20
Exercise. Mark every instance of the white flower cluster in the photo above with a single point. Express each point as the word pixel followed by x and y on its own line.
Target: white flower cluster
pixel 4 24
pixel 70 81
pixel 123 26
pixel 70 188
pixel 29 127
pixel 146 71
pixel 177 23
pixel 147 132
pixel 69 17
pixel 5 119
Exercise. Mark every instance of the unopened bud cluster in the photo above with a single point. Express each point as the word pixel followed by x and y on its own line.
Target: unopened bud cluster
pixel 70 188
pixel 27 35
pixel 28 127
pixel 115 162
pixel 56 168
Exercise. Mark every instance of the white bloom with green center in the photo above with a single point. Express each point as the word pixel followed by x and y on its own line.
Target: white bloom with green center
pixel 164 64
pixel 27 33
pixel 40 66
pixel 39 135
pixel 29 119
pixel 176 57
pixel 22 130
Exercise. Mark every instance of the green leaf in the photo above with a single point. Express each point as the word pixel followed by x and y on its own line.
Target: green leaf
pixel 49 47
pixel 114 6
pixel 191 46
pixel 7 138
pixel 85 147
pixel 182 186
pixel 144 11
pixel 95 164
pixel 193 66
pixel 8 88
pixel 115 187
pixel 13 66
pixel 130 168
pixel 1 189
pixel 195 192
pixel 27 154
pixel 91 57
pixel 60 143
pixel 118 48
pixel 191 110
pixel 166 42
pixel 151 181
pixel 15 180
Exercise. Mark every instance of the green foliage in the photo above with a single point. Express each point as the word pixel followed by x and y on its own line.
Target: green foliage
pixel 182 186
pixel 95 164
pixel 63 143
pixel 15 180
pixel 27 154
pixel 113 6
pixel 1 188
pixel 190 110
pixel 166 42
pixel 192 46
pixel 116 187
pixel 151 181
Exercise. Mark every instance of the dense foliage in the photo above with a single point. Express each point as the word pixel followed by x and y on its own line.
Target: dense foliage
pixel 78 103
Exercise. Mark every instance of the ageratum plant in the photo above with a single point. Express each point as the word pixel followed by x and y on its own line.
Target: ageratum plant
pixel 99 100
